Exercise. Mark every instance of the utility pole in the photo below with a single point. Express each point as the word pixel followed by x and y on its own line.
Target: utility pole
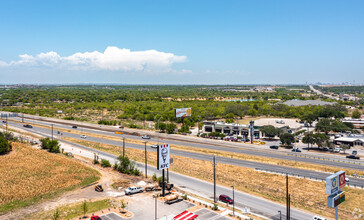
pixel 146 160
pixel 52 132
pixel 288 199
pixel 163 184
pixel 214 164
pixel 123 146
pixel 6 122
pixel 233 202
pixel 155 211
pixel 251 131
pixel 22 119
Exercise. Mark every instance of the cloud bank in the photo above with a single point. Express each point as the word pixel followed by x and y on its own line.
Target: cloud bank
pixel 112 59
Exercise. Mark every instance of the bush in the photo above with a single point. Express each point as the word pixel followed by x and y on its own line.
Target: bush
pixel 154 177
pixel 5 146
pixel 50 145
pixel 127 166
pixel 105 163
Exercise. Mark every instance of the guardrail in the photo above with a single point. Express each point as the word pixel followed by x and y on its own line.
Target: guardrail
pixel 306 177
pixel 328 159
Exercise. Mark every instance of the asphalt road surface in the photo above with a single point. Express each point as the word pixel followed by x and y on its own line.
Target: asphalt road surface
pixel 237 162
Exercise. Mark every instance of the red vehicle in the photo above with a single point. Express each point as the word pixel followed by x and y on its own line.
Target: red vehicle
pixel 95 217
pixel 226 199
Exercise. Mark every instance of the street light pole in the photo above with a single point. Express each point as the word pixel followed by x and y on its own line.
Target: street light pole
pixel 146 161
pixel 52 132
pixel 280 215
pixel 233 202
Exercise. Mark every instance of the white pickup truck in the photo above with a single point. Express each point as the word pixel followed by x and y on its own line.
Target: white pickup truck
pixel 132 190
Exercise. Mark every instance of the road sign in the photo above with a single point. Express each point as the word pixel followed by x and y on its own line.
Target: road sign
pixel 118 132
pixel 336 199
pixel 341 179
pixel 332 184
pixel 163 156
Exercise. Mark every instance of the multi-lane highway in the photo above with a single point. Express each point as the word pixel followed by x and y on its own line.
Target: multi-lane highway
pixel 206 157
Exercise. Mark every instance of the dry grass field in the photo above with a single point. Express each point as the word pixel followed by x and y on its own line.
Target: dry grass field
pixel 29 175
pixel 305 194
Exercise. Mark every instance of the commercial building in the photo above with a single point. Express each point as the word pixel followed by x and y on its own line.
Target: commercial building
pixel 351 140
pixel 307 102
pixel 230 129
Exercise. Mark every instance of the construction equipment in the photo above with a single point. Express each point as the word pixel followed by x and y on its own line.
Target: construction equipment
pixel 173 198
pixel 99 188
pixel 167 186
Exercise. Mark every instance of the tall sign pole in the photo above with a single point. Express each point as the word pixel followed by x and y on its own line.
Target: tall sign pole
pixel 146 161
pixel 163 162
pixel 334 184
pixel 251 131
pixel 123 146
pixel 214 164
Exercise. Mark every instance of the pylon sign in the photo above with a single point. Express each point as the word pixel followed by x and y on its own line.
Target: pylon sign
pixel 334 183
pixel 163 156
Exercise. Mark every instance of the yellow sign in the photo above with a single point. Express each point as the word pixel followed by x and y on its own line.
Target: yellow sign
pixel 118 132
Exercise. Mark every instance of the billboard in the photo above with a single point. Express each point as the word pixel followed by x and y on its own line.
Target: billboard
pixel 183 112
pixel 163 156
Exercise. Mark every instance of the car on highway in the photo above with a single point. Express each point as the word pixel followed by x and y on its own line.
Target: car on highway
pixel 27 126
pixel 226 199
pixel 154 146
pixel 133 190
pixel 273 147
pixel 347 179
pixel 83 136
pixel 296 150
pixel 318 218
pixel 74 126
pixel 4 121
pixel 146 137
pixel 353 157
pixel 95 217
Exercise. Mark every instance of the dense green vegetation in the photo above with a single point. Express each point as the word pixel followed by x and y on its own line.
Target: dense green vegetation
pixel 5 146
pixel 357 90
pixel 124 105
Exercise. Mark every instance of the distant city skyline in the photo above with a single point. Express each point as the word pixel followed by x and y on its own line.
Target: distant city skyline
pixel 187 42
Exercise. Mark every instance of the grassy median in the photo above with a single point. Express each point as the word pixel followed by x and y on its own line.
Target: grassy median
pixel 305 194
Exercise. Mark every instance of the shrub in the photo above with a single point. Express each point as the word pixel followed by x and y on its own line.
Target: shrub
pixel 105 163
pixel 50 145
pixel 154 177
pixel 5 146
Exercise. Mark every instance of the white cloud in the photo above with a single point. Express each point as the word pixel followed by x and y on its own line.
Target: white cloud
pixel 113 59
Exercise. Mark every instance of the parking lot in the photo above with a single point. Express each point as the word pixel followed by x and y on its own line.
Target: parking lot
pixel 208 214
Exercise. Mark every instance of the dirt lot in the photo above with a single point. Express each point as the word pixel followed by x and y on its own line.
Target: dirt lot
pixel 107 178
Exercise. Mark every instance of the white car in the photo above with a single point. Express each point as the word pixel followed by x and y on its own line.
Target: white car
pixel 132 190
pixel 83 136
pixel 337 149
pixel 347 179
pixel 318 218
pixel 154 146
pixel 145 137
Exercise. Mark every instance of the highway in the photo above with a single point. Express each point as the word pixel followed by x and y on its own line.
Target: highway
pixel 326 160
pixel 200 156
pixel 196 186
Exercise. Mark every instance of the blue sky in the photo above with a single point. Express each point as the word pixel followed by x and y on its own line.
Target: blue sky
pixel 181 42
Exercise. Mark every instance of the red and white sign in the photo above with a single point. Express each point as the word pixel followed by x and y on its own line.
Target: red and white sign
pixel 341 179
pixel 163 156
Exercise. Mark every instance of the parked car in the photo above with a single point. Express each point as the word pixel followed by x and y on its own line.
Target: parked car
pixel 337 149
pixel 274 147
pixel 353 157
pixel 145 137
pixel 226 199
pixel 95 217
pixel 83 136
pixel 296 150
pixel 132 190
pixel 4 121
pixel 74 126
pixel 318 218
pixel 35 142
pixel 354 152
pixel 27 126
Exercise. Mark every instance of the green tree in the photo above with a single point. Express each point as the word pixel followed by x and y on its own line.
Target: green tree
pixel 308 139
pixel 356 114
pixel 269 131
pixel 320 139
pixel 5 146
pixel 170 127
pixel 287 139
pixel 345 147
